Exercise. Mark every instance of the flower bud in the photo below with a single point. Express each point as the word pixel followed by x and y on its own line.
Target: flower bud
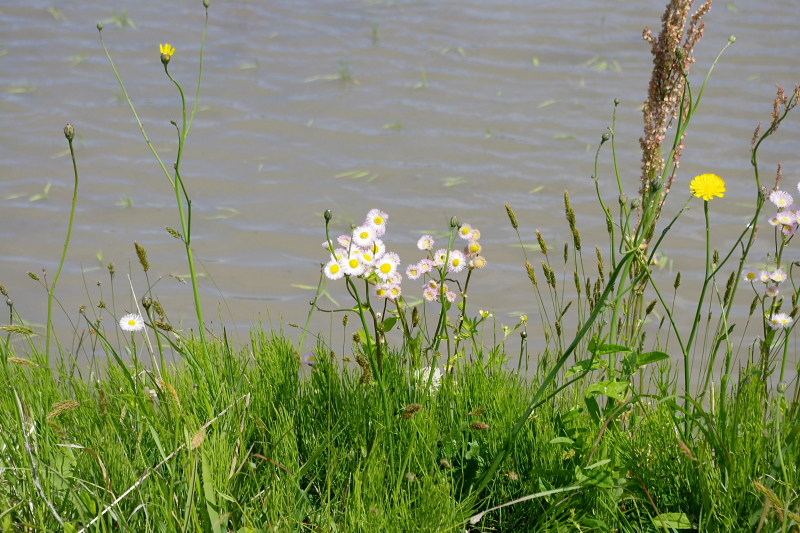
pixel 605 137
pixel 782 387
pixel 623 199
pixel 69 132
pixel 635 203
pixel 206 4
pixel 731 39
pixel 328 215
pixel 9 302
pixel 173 122
pixel 99 26
pixel 616 101
pixel 454 222
pixel 656 184
pixel 165 59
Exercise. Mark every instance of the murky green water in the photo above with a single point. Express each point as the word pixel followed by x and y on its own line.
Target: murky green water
pixel 451 108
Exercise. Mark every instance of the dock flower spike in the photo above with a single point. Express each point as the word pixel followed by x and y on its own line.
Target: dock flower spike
pixel 707 186
pixel 167 51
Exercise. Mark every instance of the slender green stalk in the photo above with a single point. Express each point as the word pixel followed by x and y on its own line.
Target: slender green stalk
pixel 70 134
pixel 687 370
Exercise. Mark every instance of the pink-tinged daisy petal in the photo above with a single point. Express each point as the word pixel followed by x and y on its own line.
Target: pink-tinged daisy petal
pixel 344 241
pixel 780 199
pixel 772 291
pixel 396 278
pixel 364 236
pixel 473 247
pixel 778 276
pixel 789 230
pixel 780 321
pixel 378 248
pixel 413 271
pixel 763 276
pixel 773 220
pixel 440 257
pixel 465 232
pixel 430 294
pixel 425 266
pixel 431 285
pixel 385 267
pixel 425 242
pixel 476 234
pixel 380 291
pixel 394 292
pixel 451 296
pixel 333 270
pixel 787 218
pixel 377 220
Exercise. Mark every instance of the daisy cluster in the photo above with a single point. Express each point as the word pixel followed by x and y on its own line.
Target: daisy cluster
pixel 446 261
pixel 788 213
pixel 363 254
pixel 770 279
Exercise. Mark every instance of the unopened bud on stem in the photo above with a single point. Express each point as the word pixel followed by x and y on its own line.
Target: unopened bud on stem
pixel 69 132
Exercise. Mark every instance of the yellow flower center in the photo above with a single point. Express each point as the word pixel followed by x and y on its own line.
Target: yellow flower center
pixel 464 230
pixel 366 257
pixel 380 292
pixel 353 263
pixel 456 261
pixel 474 248
pixel 364 234
pixel 386 268
pixel 131 322
pixel 378 220
pixel 334 268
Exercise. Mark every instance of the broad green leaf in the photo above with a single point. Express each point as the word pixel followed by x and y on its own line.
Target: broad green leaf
pixel 603 349
pixel 612 389
pixel 562 440
pixel 672 520
pixel 650 357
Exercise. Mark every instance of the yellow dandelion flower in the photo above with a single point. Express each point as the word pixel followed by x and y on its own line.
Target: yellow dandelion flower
pixel 707 186
pixel 167 49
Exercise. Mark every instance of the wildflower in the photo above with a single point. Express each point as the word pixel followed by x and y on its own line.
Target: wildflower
pixel 394 257
pixel 430 294
pixel 376 219
pixel 131 322
pixel 478 262
pixel 395 278
pixel 763 276
pixel 353 266
pixel 394 292
pixel 457 262
pixel 777 276
pixel 339 254
pixel 707 186
pixel 425 266
pixel 780 198
pixel 425 242
pixel 780 321
pixel 786 218
pixel 772 291
pixel 364 236
pixel 413 271
pixel 378 248
pixel 750 275
pixel 367 258
pixel 431 285
pixel 451 296
pixel 423 375
pixel 473 247
pixel 789 230
pixel 380 291
pixel 773 220
pixel 385 267
pixel 344 241
pixel 167 52
pixel 466 232
pixel 476 234
pixel 440 257
pixel 333 270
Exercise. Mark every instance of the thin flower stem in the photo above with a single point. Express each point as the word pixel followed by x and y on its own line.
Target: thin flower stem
pixel 199 76
pixel 52 288
pixel 687 374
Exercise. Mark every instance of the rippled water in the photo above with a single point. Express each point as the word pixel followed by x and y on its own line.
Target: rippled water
pixel 452 108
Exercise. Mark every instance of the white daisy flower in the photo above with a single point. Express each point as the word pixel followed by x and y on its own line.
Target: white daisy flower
pixel 377 220
pixel 131 322
pixel 773 220
pixel 413 271
pixel 780 321
pixel 339 254
pixel 787 218
pixel 763 276
pixel 425 242
pixel 394 292
pixel 353 266
pixel 465 232
pixel 456 262
pixel 377 248
pixel 789 230
pixel 385 267
pixel 750 275
pixel 780 199
pixel 334 270
pixel 778 275
pixel 396 278
pixel 424 375
pixel 473 247
pixel 367 258
pixel 430 294
pixel 440 257
pixel 380 291
pixel 364 236
pixel 425 266
pixel 476 234
pixel 344 241
pixel 451 296
pixel 772 291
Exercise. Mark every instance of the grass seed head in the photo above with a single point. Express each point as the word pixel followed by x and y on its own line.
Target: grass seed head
pixel 33 276
pixel 198 439
pixel 512 217
pixel 142 255
pixel 479 426
pixel 62 407
pixel 542 244
pixel 531 273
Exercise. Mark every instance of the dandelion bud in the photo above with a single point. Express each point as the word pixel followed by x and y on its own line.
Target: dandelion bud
pixel 99 26
pixel 512 217
pixel 328 215
pixel 454 222
pixel 69 132
pixel 604 138
pixel 165 59
pixel 82 309
pixel 33 276
pixel 635 203
pixel 731 39
pixel 206 3
pixel 147 302
pixel 142 255
pixel 616 101
pixel 656 184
